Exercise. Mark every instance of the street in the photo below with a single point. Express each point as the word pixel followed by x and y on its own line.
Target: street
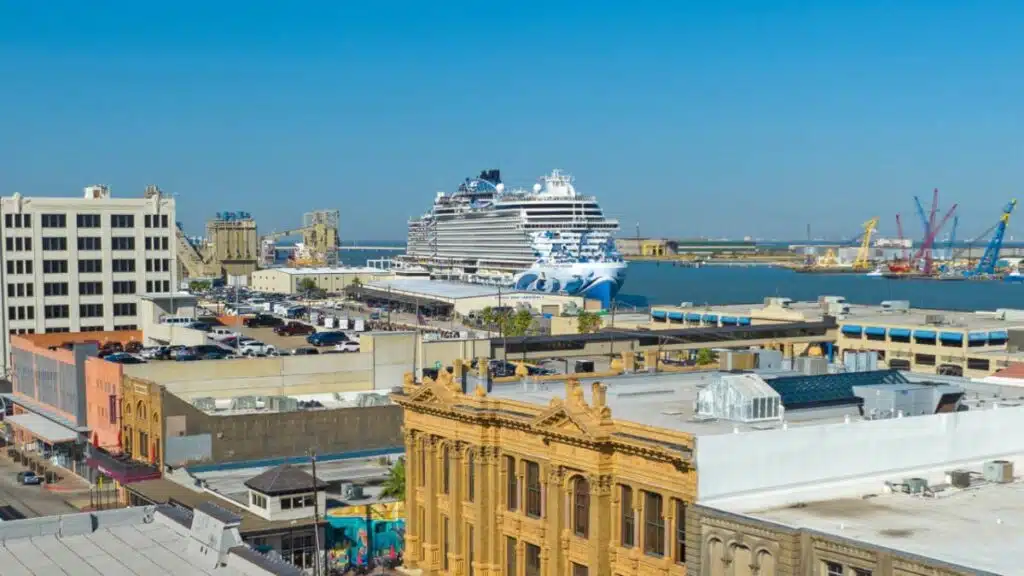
pixel 17 501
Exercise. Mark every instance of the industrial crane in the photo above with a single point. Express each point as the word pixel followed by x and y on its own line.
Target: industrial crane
pixel 987 264
pixel 863 260
pixel 931 229
pixel 319 245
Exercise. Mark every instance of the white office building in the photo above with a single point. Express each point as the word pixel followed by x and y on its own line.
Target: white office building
pixel 80 264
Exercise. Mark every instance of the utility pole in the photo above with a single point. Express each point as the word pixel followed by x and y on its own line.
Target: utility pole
pixel 316 518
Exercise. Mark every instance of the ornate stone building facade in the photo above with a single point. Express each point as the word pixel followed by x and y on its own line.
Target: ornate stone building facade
pixel 502 487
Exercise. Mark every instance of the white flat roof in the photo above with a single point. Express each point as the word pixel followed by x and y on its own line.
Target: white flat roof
pixel 43 428
pixel 980 528
pixel 335 270
pixel 436 288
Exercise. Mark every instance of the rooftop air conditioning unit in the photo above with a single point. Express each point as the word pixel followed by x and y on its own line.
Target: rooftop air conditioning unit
pixel 960 479
pixel 916 485
pixel 998 471
pixel 934 319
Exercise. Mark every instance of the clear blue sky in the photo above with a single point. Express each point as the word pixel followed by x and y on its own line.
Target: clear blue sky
pixel 693 118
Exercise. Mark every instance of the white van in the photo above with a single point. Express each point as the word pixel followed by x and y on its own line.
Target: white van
pixel 221 333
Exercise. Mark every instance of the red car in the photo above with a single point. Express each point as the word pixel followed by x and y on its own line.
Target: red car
pixel 294 329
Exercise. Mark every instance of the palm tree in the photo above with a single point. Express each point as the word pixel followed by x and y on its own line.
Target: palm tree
pixel 394 486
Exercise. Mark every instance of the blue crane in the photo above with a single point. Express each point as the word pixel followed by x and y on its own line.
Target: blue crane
pixel 952 238
pixel 987 264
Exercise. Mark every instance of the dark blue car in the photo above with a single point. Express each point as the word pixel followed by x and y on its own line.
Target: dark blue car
pixel 327 338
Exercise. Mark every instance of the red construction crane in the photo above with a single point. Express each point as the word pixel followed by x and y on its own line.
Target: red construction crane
pixel 929 240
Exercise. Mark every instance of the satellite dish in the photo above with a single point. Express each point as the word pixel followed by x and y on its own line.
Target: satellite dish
pixel 500 187
pixel 536 187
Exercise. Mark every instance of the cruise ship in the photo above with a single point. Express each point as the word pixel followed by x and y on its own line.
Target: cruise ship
pixel 548 239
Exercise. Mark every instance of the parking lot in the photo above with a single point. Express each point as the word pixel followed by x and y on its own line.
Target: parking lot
pixel 17 501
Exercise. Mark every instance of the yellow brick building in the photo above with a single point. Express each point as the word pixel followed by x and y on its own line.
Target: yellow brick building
pixel 503 487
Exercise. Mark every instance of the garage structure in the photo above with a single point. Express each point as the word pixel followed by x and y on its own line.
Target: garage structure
pixel 441 298
pixel 332 280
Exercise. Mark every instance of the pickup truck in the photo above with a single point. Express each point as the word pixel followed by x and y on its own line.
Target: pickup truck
pixel 263 321
pixel 294 329
pixel 256 348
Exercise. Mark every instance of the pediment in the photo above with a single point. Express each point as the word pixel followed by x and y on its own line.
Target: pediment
pixel 558 419
pixel 430 395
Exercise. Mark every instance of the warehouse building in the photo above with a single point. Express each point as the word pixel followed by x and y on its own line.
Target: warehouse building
pixel 331 280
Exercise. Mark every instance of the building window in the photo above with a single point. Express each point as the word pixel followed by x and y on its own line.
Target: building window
pixel 56 311
pixel 924 359
pixel 299 550
pixel 444 543
pixel 470 476
pixel 512 483
pixel 90 266
pixel 18 220
pixel 90 288
pixel 90 310
pixel 654 525
pixel 89 243
pixel 510 556
pixel 143 444
pixel 861 572
pixel 163 220
pixel 54 220
pixel 421 480
pixel 122 221
pixel 532 560
pixel 124 309
pixel 122 243
pixel 532 489
pixel 55 266
pixel 295 502
pixel 88 220
pixel 124 327
pixel 258 500
pixel 627 515
pixel 833 569
pixel 123 265
pixel 469 550
pixel 446 463
pixel 55 289
pixel 680 531
pixel 579 570
pixel 55 243
pixel 124 287
pixel 581 507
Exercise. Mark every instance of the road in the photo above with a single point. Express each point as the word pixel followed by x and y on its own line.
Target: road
pixel 17 501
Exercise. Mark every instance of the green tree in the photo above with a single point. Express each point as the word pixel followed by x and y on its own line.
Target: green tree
pixel 487 317
pixel 705 357
pixel 587 322
pixel 199 286
pixel 517 324
pixel 307 285
pixel 394 485
pixel 356 282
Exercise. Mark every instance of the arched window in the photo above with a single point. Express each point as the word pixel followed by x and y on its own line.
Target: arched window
pixel 470 476
pixel 140 410
pixel 445 469
pixel 581 506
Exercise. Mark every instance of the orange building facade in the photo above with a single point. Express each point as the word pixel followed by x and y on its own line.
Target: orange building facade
pixel 103 398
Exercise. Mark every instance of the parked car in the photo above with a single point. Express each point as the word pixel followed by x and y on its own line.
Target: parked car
pixel 221 333
pixel 29 479
pixel 347 346
pixel 210 352
pixel 257 348
pixel 133 347
pixel 201 326
pixel 327 338
pixel 156 353
pixel 124 358
pixel 305 351
pixel 173 351
pixel 294 329
pixel 262 321
pixel 186 355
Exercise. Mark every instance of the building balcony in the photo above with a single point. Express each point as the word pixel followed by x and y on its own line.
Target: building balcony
pixel 120 467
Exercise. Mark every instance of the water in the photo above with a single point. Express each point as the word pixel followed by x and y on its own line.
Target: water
pixel 651 283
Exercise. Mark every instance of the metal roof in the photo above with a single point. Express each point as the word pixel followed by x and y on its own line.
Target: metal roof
pixel 284 479
pixel 42 428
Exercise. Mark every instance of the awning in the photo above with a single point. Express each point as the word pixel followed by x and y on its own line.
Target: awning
pixel 693 317
pixel 899 333
pixel 874 331
pixel 40 427
pixel 675 315
pixel 729 320
pixel 977 336
pixel 997 335
pixel 927 334
pixel 710 318
pixel 744 321
pixel 852 329
pixel 658 313
pixel 951 336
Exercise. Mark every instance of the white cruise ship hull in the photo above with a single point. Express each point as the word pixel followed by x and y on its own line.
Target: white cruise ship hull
pixel 597 280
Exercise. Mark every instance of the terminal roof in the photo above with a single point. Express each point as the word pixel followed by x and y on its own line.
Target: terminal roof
pixel 435 288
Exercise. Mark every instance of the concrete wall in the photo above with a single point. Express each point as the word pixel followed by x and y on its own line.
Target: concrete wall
pixel 284 375
pixel 259 435
pixel 446 351
pixel 392 355
pixel 181 450
pixel 102 391
pixel 772 462
pixel 285 281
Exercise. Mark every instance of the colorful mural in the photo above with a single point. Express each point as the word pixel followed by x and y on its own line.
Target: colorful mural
pixel 349 541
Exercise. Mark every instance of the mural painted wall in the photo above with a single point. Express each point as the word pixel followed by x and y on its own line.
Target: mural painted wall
pixel 349 537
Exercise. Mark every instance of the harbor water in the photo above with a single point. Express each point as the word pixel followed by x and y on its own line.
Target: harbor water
pixel 661 283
